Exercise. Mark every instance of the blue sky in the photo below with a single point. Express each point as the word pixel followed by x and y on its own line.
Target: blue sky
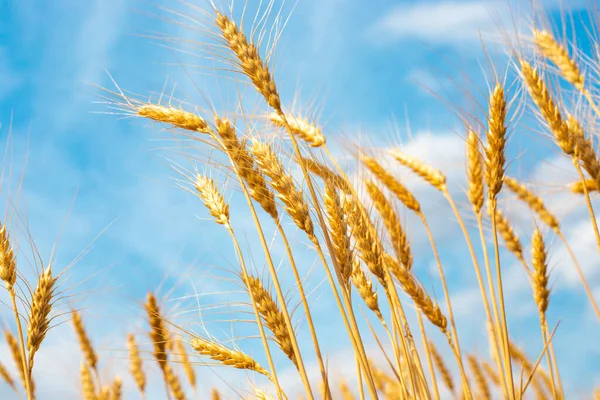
pixel 367 67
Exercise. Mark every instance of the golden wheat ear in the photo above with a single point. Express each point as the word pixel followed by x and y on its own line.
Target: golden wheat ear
pixel 559 55
pixel 84 341
pixel 159 333
pixel 226 356
pixel 135 364
pixel 7 378
pixel 300 127
pixel 480 379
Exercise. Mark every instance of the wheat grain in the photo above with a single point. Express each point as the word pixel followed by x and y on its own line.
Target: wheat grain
pixel 540 272
pixel 430 174
pixel 273 316
pixel 173 116
pixel 475 172
pixel 185 361
pixel 213 199
pixel 226 356
pixel 300 127
pixel 559 55
pixel 496 141
pixel 84 341
pixel 534 202
pixel 39 314
pixel 135 363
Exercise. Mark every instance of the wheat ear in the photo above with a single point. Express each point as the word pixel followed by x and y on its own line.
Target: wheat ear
pixel 214 394
pixel 174 383
pixel 87 383
pixel 441 367
pixel 511 239
pixel 185 362
pixel 480 380
pixel 475 172
pixel 226 356
pixel 159 334
pixel 540 272
pixel 327 174
pixel 7 378
pixel 430 174
pixel 559 55
pixel 534 202
pixel 584 149
pixel 116 390
pixel 580 187
pixel 213 199
pixel 173 116
pixel 17 356
pixel 365 289
pixel 135 364
pixel 338 231
pixel 84 341
pixel 300 127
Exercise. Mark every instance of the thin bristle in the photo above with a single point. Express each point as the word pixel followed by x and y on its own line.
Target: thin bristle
pixel 250 61
pixel 233 358
pixel 338 231
pixel 135 364
pixel 159 334
pixel 273 316
pixel 365 288
pixel 496 140
pixel 185 361
pixel 300 127
pixel 8 264
pixel 84 341
pixel 283 184
pixel 559 55
pixel 540 272
pixel 39 315
pixel 475 172
pixel 430 174
pixel 213 199
pixel 534 202
pixel 173 116
pixel 550 112
pixel 441 367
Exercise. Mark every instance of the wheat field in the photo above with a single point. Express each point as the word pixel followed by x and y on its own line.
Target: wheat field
pixel 285 252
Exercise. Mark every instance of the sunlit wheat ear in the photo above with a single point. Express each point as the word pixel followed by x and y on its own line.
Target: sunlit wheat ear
pixel 480 379
pixel 511 239
pixel 185 362
pixel 6 377
pixel 338 231
pixel 213 199
pixel 496 141
pixel 491 373
pixel 540 272
pixel 214 395
pixel 39 314
pixel 440 365
pixel 364 234
pixel 226 356
pixel 173 116
pixel 84 341
pixel 87 383
pixel 249 61
pixel 475 172
pixel 15 352
pixel 403 194
pixel 158 331
pixel 274 319
pixel 549 110
pixel 327 174
pixel 430 174
pixel 116 389
pixel 393 225
pixel 345 391
pixel 8 264
pixel 257 187
pixel 283 184
pixel 578 187
pixel 365 288
pixel 174 383
pixel 135 364
pixel 415 291
pixel 584 149
pixel 559 55
pixel 103 393
pixel 300 127
pixel 534 202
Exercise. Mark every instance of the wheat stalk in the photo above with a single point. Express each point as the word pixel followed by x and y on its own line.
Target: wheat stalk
pixel 226 356
pixel 84 341
pixel 135 364
pixel 300 127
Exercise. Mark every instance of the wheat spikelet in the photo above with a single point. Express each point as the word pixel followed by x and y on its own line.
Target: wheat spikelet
pixel 511 240
pixel 338 231
pixel 173 116
pixel 393 225
pixel 534 202
pixel 84 341
pixel 213 199
pixel 274 319
pixel 158 331
pixel 215 394
pixel 116 390
pixel 8 264
pixel 87 383
pixel 430 174
pixel 491 373
pixel 174 383
pixel 440 365
pixel 245 167
pixel 480 380
pixel 403 194
pixel 283 183
pixel 300 127
pixel 365 288
pixel 559 55
pixel 363 232
pixel 185 361
pixel 327 174
pixel 233 358
pixel 540 272
pixel 550 112
pixel 584 149
pixel 578 187
pixel 6 377
pixel 345 391
pixel 135 363
pixel 250 61
pixel 496 141
pixel 475 172
pixel 416 292
pixel 39 314
pixel 15 352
